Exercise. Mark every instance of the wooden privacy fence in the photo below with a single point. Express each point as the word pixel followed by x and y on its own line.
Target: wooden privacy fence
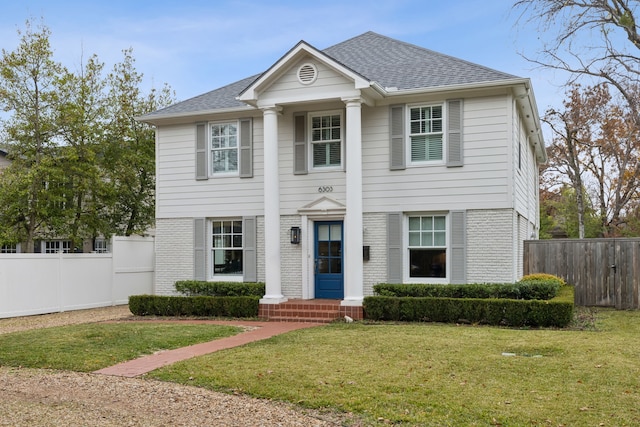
pixel 605 272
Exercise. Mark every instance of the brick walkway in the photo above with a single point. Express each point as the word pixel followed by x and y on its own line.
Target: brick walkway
pixel 257 331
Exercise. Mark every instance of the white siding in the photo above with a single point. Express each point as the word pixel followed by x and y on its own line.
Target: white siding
pixel 483 181
pixel 525 172
pixel 178 194
pixel 329 85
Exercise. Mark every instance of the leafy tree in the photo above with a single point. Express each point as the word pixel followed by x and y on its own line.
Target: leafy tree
pixel 82 166
pixel 129 152
pixel 29 88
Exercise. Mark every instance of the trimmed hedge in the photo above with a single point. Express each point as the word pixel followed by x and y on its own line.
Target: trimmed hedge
pixel 526 290
pixel 199 306
pixel 504 312
pixel 219 289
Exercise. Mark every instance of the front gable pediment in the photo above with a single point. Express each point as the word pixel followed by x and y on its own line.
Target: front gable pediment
pixel 304 72
pixel 323 206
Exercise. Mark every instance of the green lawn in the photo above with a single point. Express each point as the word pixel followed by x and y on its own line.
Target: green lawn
pixel 441 375
pixel 90 347
pixel 410 374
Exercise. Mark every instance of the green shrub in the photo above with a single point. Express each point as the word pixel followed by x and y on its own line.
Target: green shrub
pixel 543 277
pixel 527 290
pixel 557 312
pixel 198 306
pixel 219 289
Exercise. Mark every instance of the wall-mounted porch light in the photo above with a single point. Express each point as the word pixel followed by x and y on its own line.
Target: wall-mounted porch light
pixel 296 234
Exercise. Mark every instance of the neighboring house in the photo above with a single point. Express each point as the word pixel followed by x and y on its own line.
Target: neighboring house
pixel 99 245
pixel 371 161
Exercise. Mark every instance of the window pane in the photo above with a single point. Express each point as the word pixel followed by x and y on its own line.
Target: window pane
pixel 414 223
pixel 335 120
pixel 427 239
pixel 237 241
pixel 226 227
pixel 427 263
pixel 439 223
pixel 414 239
pixel 218 242
pixel 418 148
pixel 323 249
pixel 427 223
pixel 237 226
pixel 439 238
pixel 334 154
pixel 227 262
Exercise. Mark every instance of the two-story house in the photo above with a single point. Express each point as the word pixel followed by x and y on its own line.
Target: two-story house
pixel 370 161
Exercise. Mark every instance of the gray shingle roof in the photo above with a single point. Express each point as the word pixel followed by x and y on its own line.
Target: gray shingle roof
pixel 389 62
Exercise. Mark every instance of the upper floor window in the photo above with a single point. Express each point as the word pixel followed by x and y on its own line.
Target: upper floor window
pixel 426 133
pixel 326 139
pixel 224 147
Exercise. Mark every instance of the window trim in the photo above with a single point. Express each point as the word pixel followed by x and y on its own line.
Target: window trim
pixel 408 161
pixel 310 142
pixel 210 149
pixel 211 276
pixel 406 276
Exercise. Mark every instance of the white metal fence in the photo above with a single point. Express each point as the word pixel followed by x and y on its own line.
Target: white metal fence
pixel 49 283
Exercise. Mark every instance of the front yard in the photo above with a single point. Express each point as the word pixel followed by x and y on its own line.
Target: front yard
pixel 409 374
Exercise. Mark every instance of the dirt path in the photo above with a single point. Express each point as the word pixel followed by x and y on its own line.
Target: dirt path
pixel 32 397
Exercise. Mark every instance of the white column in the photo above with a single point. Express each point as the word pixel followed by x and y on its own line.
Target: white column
pixel 273 282
pixel 353 265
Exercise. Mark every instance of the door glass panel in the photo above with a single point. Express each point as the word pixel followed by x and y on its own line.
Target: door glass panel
pixel 323 265
pixel 335 249
pixel 323 232
pixel 336 265
pixel 323 248
pixel 336 232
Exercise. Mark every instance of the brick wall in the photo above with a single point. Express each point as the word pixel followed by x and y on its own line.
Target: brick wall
pixel 174 253
pixel 490 246
pixel 375 236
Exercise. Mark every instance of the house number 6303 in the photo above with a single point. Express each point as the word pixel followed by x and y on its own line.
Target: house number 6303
pixel 325 189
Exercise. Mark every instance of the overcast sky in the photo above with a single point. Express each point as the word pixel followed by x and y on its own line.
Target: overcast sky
pixel 196 45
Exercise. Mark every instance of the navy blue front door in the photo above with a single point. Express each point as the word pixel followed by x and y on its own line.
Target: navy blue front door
pixel 329 277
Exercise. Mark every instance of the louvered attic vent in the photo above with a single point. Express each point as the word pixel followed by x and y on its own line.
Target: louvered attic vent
pixel 307 74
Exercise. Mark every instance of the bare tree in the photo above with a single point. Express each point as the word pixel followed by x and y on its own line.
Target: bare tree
pixel 598 38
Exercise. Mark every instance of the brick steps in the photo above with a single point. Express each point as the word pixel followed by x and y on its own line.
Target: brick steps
pixel 308 311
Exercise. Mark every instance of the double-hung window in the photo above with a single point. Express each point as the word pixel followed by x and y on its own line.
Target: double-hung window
pixel 9 248
pixel 224 148
pixel 226 248
pixel 426 133
pixel 326 139
pixel 427 246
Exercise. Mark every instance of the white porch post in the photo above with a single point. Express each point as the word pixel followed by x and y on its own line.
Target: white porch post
pixel 353 268
pixel 273 276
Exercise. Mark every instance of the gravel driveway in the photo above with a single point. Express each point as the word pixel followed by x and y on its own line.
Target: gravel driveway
pixel 33 397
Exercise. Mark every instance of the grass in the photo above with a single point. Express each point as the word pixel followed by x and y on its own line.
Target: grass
pixel 90 347
pixel 400 374
pixel 442 375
